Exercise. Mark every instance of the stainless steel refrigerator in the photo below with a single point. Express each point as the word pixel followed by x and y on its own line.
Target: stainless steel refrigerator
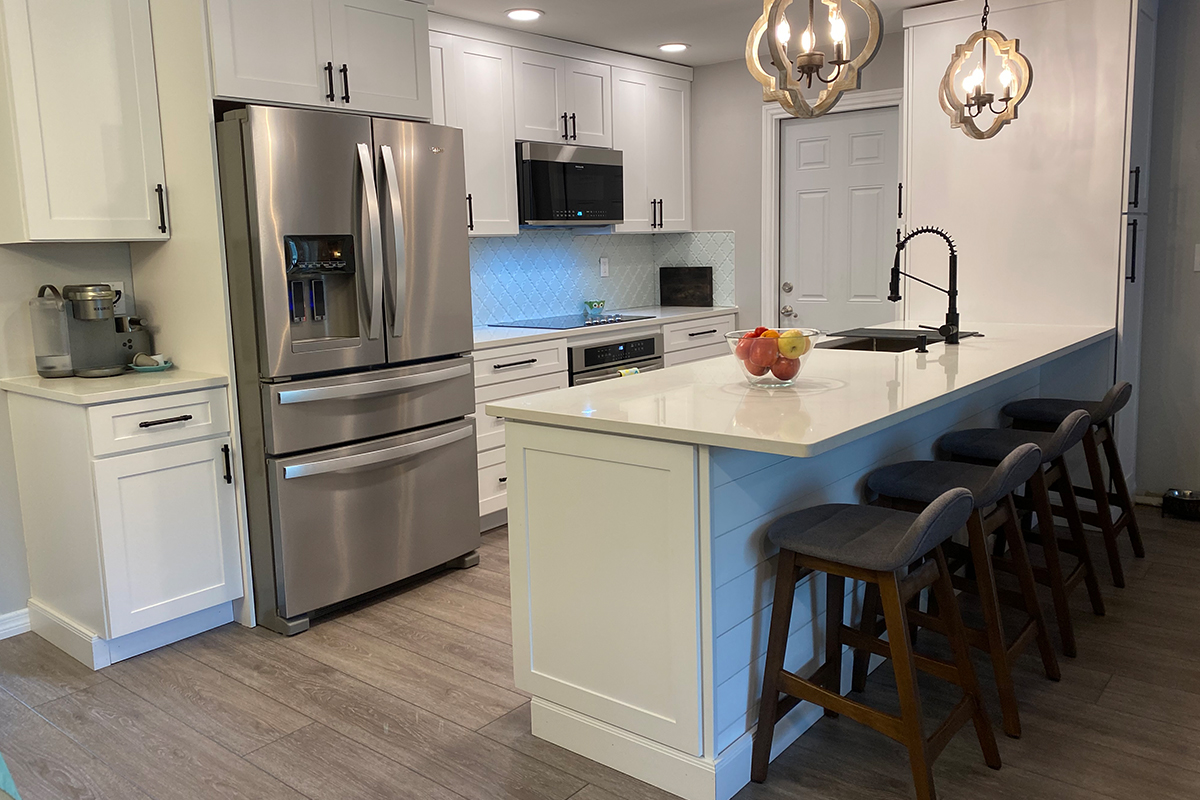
pixel 349 281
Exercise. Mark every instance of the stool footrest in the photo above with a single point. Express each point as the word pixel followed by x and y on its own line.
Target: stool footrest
pixel 944 670
pixel 887 724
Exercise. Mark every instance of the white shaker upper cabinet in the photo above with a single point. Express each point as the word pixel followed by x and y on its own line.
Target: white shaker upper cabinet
pixel 651 126
pixel 562 100
pixel 379 49
pixel 589 103
pixel 80 144
pixel 479 99
pixel 441 49
pixel 275 50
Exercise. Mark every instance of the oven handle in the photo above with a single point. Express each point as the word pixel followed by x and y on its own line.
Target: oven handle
pixel 397 241
pixel 377 458
pixel 612 373
pixel 370 194
pixel 400 383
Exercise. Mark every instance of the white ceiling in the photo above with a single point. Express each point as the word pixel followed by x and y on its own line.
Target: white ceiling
pixel 715 29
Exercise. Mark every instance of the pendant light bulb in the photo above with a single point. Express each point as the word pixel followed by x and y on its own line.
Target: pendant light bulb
pixel 806 40
pixel 783 32
pixel 1007 78
pixel 837 29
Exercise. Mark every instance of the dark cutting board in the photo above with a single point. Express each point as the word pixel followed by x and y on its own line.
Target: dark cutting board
pixel 686 286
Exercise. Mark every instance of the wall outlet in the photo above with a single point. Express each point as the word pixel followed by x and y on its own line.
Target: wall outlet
pixel 604 265
pixel 1196 263
pixel 120 307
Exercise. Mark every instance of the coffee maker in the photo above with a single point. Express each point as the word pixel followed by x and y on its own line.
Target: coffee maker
pixel 77 332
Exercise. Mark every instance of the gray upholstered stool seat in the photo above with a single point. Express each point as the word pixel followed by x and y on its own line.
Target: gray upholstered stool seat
pixel 993 445
pixel 870 537
pixel 1053 410
pixel 925 481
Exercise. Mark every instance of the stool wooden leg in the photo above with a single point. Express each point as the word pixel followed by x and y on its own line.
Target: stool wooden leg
pixel 869 625
pixel 1033 607
pixel 1066 490
pixel 985 581
pixel 1118 475
pixel 952 619
pixel 906 683
pixel 1103 511
pixel 835 611
pixel 768 707
pixel 1049 539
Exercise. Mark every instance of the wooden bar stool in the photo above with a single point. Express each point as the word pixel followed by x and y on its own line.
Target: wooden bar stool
pixel 912 486
pixel 1046 414
pixel 876 545
pixel 990 446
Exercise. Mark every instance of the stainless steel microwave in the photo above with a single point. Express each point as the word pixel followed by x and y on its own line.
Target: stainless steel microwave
pixel 568 186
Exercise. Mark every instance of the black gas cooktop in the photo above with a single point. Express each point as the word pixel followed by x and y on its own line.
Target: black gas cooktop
pixel 569 321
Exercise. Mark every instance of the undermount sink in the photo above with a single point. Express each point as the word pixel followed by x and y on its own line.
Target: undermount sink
pixel 878 340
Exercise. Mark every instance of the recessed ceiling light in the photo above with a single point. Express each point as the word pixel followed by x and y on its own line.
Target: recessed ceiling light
pixel 524 14
pixel 673 47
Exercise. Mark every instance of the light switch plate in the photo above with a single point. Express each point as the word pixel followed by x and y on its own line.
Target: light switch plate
pixel 1196 263
pixel 604 265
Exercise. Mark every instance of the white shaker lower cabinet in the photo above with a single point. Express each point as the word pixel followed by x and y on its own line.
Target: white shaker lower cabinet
pixel 651 126
pixel 79 126
pixel 130 517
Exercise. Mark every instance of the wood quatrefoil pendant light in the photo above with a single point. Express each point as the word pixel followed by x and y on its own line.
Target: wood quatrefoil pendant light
pixel 1015 78
pixel 791 76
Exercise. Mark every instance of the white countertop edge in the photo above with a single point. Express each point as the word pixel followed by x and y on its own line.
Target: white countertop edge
pixel 487 337
pixel 773 446
pixel 98 391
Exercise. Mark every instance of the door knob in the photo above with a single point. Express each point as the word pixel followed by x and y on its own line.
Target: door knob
pixel 787 288
pixel 787 311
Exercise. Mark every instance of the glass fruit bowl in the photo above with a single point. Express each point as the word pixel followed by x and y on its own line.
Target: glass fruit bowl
pixel 772 358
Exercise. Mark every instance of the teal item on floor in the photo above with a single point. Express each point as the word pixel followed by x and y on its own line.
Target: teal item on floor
pixel 8 789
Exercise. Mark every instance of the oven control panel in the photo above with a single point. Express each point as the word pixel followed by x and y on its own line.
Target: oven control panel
pixel 616 352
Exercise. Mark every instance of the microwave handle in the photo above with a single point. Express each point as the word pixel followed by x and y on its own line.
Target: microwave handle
pixel 373 252
pixel 376 458
pixel 345 391
pixel 396 240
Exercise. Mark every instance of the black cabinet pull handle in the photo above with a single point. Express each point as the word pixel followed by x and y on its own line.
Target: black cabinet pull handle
pixel 345 83
pixel 900 202
pixel 470 212
pixel 331 96
pixel 525 363
pixel 1137 187
pixel 653 213
pixel 154 423
pixel 504 479
pixel 228 464
pixel 162 208
pixel 574 129
pixel 1132 277
pixel 564 120
pixel 703 333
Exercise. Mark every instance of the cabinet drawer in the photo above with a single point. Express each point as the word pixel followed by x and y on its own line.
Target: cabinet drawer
pixel 696 354
pixel 157 421
pixel 493 482
pixel 521 361
pixel 696 333
pixel 490 429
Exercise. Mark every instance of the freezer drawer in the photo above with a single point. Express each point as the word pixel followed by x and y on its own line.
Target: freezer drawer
pixel 354 519
pixel 305 415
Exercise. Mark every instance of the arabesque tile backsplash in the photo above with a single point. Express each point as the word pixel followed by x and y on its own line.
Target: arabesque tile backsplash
pixel 546 273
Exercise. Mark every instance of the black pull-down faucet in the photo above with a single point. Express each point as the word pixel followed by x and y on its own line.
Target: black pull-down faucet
pixel 950 330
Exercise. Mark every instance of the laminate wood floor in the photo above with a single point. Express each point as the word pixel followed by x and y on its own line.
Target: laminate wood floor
pixel 412 697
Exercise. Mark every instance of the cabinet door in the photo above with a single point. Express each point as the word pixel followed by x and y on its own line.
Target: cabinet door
pixel 589 101
pixel 480 89
pixel 441 47
pixel 1143 38
pixel 380 51
pixel 168 534
pixel 273 50
pixel 84 107
pixel 540 90
pixel 631 126
pixel 669 140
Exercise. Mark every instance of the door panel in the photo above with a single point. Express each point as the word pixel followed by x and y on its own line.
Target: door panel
pixel 670 151
pixel 440 48
pixel 540 89
pixel 838 183
pixel 358 518
pixel 589 98
pixel 384 45
pixel 427 296
pixel 631 125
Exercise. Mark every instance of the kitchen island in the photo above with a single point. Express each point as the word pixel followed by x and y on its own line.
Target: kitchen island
pixel 641 578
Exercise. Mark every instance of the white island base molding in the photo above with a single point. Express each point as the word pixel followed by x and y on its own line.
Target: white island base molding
pixel 642 581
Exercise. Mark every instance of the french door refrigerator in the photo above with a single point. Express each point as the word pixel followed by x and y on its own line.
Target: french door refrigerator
pixel 349 280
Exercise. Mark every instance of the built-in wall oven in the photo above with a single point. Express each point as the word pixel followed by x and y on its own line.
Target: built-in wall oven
pixel 615 358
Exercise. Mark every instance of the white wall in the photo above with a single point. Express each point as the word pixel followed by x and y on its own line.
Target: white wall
pixel 727 157
pixel 1169 433
pixel 24 268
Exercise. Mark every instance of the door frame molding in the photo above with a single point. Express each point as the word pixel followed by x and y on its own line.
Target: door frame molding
pixel 773 116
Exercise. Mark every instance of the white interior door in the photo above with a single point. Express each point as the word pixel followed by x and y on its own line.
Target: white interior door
pixel 589 99
pixel 383 46
pixel 540 89
pixel 839 181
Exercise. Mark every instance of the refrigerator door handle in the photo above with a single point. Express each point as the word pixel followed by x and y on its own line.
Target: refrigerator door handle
pixel 395 385
pixel 378 458
pixel 370 197
pixel 396 241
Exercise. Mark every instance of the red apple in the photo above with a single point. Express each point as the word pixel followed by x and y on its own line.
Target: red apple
pixel 742 350
pixel 763 352
pixel 754 369
pixel 786 368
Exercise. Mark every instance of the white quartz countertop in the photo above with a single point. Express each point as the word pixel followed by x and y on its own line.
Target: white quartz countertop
pixel 128 386
pixel 840 397
pixel 488 337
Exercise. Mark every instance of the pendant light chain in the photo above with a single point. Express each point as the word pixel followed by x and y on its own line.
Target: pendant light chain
pixel 986 10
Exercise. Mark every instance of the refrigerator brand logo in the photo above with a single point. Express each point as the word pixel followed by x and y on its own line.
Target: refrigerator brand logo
pixel 437 151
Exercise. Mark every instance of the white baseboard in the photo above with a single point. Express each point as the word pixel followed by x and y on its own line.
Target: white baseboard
pixel 14 624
